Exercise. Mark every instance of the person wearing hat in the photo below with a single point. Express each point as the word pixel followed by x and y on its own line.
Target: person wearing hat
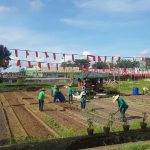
pixel 55 93
pixel 41 99
pixel 122 105
pixel 70 92
pixel 83 99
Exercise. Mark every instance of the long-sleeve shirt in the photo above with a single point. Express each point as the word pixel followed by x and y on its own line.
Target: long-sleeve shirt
pixel 121 103
pixel 70 91
pixel 41 95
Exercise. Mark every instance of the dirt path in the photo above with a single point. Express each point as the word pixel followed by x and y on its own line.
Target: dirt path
pixel 29 123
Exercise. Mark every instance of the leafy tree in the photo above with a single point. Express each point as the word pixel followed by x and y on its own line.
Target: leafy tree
pixel 4 56
pixel 127 64
pixel 78 62
pixel 100 65
pixel 147 60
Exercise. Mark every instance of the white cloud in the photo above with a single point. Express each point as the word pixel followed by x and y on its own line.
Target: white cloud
pixel 145 53
pixel 114 5
pixel 37 5
pixel 4 9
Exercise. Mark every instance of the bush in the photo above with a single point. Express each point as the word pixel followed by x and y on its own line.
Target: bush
pixel 111 90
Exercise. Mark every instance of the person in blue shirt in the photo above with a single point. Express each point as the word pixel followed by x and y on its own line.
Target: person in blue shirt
pixel 122 106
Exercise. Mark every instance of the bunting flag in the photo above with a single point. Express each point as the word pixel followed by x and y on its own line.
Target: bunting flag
pixel 111 68
pixel 94 59
pixel 80 68
pixel 39 65
pixel 36 53
pixel 119 59
pixel 99 59
pixel 57 67
pixel 124 69
pixel 3 61
pixel 112 59
pixel 29 64
pixel 95 68
pixel 48 66
pixel 16 52
pixel 46 55
pixel 104 68
pixel 105 58
pixel 87 68
pixel 64 56
pixel 27 53
pixel 64 66
pixel 87 58
pixel 54 56
pixel 19 63
pixel 73 57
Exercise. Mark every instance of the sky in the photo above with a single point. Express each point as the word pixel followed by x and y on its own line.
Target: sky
pixel 98 27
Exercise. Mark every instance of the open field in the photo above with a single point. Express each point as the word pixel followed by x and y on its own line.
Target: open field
pixel 20 117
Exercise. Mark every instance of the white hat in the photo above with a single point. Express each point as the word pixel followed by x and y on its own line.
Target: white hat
pixel 115 98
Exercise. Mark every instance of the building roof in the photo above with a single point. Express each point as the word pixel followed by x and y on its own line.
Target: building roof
pixel 92 75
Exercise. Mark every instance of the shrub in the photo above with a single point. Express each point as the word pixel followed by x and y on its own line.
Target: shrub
pixel 111 90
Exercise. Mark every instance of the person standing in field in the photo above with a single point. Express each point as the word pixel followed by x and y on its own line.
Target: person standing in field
pixel 55 93
pixel 122 106
pixel 70 92
pixel 83 99
pixel 41 99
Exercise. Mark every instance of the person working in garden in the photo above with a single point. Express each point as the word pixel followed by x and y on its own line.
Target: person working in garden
pixel 70 92
pixel 145 90
pixel 83 99
pixel 55 93
pixel 122 106
pixel 41 99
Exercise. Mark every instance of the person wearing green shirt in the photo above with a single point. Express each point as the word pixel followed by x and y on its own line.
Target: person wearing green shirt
pixel 70 92
pixel 83 100
pixel 41 99
pixel 122 106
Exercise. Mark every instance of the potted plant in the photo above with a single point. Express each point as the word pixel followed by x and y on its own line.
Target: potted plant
pixel 143 124
pixel 126 126
pixel 109 123
pixel 90 129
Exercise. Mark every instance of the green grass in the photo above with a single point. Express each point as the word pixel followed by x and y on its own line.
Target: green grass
pixel 134 146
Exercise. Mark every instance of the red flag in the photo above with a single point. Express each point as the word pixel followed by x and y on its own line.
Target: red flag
pixel 72 57
pixel 119 58
pixel 112 59
pixel 125 69
pixel 111 68
pixel 80 68
pixel 46 55
pixel 18 63
pixel 16 52
pixel 105 58
pixel 104 68
pixel 27 53
pixel 87 68
pixel 57 67
pixel 95 68
pixel 29 64
pixel 39 65
pixel 94 59
pixel 3 61
pixel 99 59
pixel 36 53
pixel 64 67
pixel 54 56
pixel 48 66
pixel 87 58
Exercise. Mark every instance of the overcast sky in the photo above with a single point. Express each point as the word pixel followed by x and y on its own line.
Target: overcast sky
pixel 100 27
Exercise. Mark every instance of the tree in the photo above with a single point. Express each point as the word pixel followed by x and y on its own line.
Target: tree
pixel 4 57
pixel 100 65
pixel 127 64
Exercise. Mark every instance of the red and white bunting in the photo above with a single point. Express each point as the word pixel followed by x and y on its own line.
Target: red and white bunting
pixel 119 58
pixel 99 59
pixel 73 57
pixel 48 66
pixel 87 58
pixel 57 67
pixel 36 53
pixel 105 58
pixel 46 55
pixel 19 63
pixel 54 56
pixel 112 59
pixel 104 68
pixel 95 68
pixel 29 64
pixel 27 53
pixel 16 52
pixel 39 65
pixel 80 68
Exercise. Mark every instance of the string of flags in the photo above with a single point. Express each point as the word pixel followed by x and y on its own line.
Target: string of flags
pixel 47 55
